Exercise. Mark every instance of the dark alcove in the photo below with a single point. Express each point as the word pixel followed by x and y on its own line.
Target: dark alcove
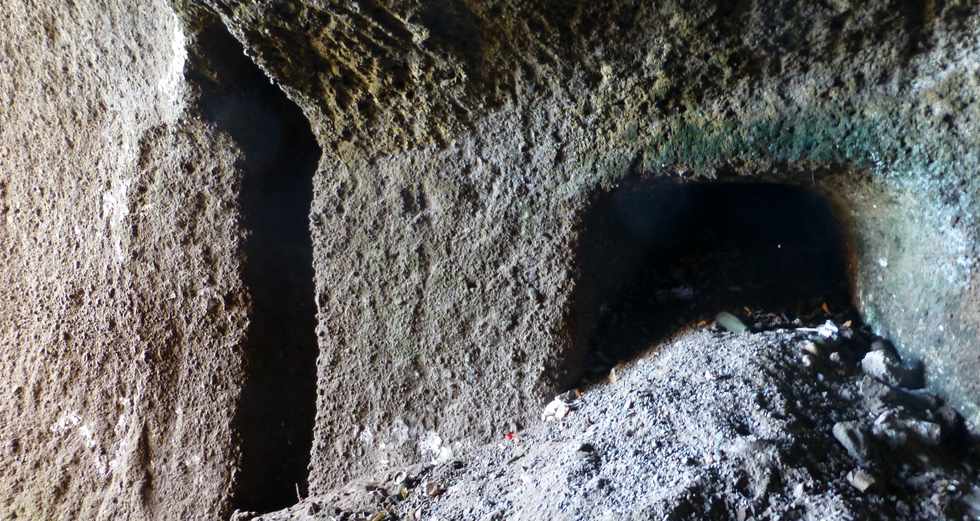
pixel 656 255
pixel 279 156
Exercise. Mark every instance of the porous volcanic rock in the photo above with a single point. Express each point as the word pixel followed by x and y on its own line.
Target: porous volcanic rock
pixel 464 141
pixel 122 309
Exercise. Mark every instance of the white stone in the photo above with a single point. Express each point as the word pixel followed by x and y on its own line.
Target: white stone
pixel 555 410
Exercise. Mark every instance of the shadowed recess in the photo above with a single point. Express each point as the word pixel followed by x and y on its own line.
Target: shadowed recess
pixel 656 256
pixel 277 410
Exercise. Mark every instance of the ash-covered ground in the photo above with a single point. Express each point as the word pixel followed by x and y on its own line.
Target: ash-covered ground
pixel 783 421
pixel 686 411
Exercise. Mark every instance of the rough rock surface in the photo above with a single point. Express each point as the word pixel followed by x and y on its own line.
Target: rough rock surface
pixel 122 309
pixel 709 425
pixel 464 143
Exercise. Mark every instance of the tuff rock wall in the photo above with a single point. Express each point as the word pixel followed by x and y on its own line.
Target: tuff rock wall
pixel 463 141
pixel 122 308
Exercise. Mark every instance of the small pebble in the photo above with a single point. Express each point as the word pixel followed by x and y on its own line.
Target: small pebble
pixel 860 480
pixel 895 428
pixel 811 347
pixel 741 514
pixel 890 428
pixel 731 322
pixel 884 367
pixel 798 490
pixel 926 432
pixel 433 489
pixel 852 437
pixel 555 410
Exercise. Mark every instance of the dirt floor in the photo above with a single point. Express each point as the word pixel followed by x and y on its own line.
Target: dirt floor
pixel 783 421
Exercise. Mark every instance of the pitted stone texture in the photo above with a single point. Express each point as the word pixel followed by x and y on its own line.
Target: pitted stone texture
pixel 464 141
pixel 448 202
pixel 121 307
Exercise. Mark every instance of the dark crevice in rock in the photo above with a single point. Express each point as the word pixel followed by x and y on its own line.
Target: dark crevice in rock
pixel 279 157
pixel 655 256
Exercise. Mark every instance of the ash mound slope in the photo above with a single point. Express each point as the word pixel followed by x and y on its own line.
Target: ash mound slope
pixel 786 423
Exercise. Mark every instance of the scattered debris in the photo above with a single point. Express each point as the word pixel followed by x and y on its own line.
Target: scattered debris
pixel 896 428
pixel 827 330
pixel 712 426
pixel 890 429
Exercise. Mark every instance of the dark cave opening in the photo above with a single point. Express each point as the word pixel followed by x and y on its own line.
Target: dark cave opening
pixel 656 256
pixel 276 413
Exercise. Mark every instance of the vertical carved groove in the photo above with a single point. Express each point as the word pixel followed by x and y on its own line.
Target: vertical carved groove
pixel 279 157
